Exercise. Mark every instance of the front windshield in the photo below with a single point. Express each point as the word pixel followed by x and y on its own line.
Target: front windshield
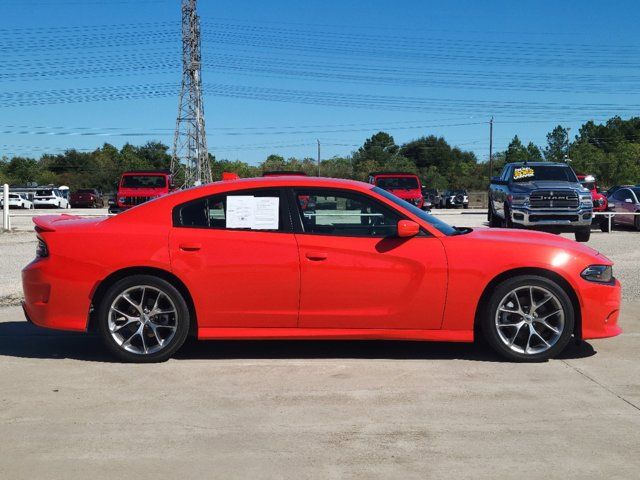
pixel 437 223
pixel 589 185
pixel 534 173
pixel 397 183
pixel 144 181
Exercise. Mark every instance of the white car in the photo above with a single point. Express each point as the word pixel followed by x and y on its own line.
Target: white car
pixel 50 197
pixel 17 200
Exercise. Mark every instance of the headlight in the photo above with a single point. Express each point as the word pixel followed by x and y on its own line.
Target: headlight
pixel 598 273
pixel 121 199
pixel 586 201
pixel 41 249
pixel 519 199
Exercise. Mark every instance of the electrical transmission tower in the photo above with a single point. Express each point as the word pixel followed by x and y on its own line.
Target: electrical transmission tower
pixel 190 153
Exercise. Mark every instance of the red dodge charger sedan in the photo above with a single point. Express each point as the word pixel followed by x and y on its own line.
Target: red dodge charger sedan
pixel 295 257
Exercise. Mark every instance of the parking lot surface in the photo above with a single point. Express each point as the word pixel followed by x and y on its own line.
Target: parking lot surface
pixel 318 409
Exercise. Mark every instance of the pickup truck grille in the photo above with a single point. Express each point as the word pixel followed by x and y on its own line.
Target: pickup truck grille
pixel 135 200
pixel 554 199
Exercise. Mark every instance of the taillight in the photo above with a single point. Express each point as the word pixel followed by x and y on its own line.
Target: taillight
pixel 41 249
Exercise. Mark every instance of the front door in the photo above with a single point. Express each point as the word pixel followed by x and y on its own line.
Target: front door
pixel 357 274
pixel 239 277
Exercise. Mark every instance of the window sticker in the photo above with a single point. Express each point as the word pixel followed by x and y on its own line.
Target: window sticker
pixel 256 213
pixel 523 172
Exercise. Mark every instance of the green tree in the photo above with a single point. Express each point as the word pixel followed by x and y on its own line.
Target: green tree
pixel 557 145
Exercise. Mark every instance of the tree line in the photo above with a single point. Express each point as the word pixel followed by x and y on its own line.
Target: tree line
pixel 610 151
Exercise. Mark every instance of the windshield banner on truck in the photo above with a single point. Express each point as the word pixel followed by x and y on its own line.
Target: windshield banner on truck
pixel 523 172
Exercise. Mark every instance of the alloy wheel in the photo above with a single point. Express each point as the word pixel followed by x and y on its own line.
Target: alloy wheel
pixel 142 320
pixel 530 320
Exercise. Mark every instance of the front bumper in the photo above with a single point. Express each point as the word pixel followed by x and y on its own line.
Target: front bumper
pixel 600 310
pixel 548 217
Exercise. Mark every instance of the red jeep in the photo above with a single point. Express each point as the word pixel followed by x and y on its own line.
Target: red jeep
pixel 600 203
pixel 138 186
pixel 404 185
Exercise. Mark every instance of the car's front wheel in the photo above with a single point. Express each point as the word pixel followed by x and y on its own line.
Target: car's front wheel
pixel 528 319
pixel 143 319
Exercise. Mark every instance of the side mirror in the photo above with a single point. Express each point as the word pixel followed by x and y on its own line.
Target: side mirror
pixel 628 200
pixel 407 228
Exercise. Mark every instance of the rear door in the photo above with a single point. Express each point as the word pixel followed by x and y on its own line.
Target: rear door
pixel 238 276
pixel 357 274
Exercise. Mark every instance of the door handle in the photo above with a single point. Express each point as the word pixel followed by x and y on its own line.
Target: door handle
pixel 190 247
pixel 316 256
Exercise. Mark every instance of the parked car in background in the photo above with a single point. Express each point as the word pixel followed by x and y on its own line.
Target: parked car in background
pixel 626 200
pixel 241 259
pixel 454 199
pixel 87 198
pixel 600 202
pixel 17 200
pixel 432 196
pixel 50 197
pixel 404 185
pixel 139 186
pixel 541 195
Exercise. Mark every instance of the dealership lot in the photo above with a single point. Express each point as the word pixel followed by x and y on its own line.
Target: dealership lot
pixel 324 409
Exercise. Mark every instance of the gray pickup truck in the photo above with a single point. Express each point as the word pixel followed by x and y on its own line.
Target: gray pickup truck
pixel 542 195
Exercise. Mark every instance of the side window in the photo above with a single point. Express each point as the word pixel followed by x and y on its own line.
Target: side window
pixel 622 195
pixel 343 213
pixel 250 210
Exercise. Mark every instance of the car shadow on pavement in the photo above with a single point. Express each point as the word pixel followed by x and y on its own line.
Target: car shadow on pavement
pixel 23 340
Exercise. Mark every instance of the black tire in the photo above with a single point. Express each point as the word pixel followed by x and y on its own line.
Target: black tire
pixel 604 224
pixel 583 234
pixel 494 220
pixel 508 223
pixel 636 222
pixel 465 206
pixel 487 321
pixel 181 319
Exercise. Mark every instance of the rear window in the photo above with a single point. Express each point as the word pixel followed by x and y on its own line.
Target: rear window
pixel 144 181
pixel 397 183
pixel 44 193
pixel 531 173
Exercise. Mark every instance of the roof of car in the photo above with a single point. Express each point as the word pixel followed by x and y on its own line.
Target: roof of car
pixel 539 164
pixel 287 180
pixel 377 174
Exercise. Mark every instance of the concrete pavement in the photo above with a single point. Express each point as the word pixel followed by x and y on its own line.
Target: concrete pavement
pixel 316 410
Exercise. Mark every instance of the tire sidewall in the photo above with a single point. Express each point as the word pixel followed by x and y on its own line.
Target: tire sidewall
pixel 489 330
pixel 152 281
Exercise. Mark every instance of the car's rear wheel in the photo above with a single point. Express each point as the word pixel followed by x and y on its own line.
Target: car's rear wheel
pixel 636 221
pixel 605 226
pixel 143 319
pixel 528 319
pixel 494 220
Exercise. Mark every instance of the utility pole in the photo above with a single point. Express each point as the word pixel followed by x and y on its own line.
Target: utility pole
pixel 190 154
pixel 318 157
pixel 490 149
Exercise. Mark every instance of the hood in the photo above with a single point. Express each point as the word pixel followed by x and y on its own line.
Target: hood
pixel 521 239
pixel 406 193
pixel 545 185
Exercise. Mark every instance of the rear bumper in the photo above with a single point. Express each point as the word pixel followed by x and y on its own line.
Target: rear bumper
pixel 54 298
pixel 600 310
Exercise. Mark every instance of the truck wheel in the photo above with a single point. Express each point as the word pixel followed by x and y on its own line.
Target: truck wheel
pixel 508 223
pixel 465 206
pixel 494 220
pixel 583 234
pixel 604 224
pixel 528 319
pixel 143 319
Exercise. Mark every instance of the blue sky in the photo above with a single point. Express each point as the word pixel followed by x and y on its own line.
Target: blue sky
pixel 278 75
